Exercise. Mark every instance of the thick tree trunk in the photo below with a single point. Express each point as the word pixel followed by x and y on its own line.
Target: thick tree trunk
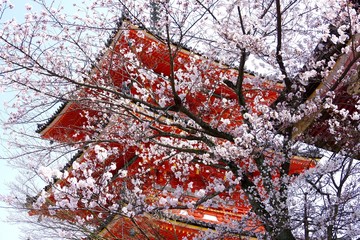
pixel 285 234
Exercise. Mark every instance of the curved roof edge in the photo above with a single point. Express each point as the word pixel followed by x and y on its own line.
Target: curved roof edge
pixel 42 126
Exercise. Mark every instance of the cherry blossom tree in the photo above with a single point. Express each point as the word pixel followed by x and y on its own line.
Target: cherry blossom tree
pixel 237 95
pixel 326 203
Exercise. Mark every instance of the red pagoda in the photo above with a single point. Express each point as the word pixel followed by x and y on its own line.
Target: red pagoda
pixel 159 182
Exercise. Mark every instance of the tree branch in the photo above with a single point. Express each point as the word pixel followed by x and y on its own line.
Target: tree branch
pixel 279 57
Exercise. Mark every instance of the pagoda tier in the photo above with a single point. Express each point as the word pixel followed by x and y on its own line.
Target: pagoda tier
pixel 124 228
pixel 344 83
pixel 184 221
pixel 72 123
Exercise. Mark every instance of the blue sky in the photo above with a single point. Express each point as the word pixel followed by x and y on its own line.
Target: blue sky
pixel 11 231
pixel 8 230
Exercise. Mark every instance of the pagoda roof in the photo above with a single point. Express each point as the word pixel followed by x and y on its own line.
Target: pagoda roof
pixel 347 94
pixel 190 221
pixel 70 112
pixel 171 227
